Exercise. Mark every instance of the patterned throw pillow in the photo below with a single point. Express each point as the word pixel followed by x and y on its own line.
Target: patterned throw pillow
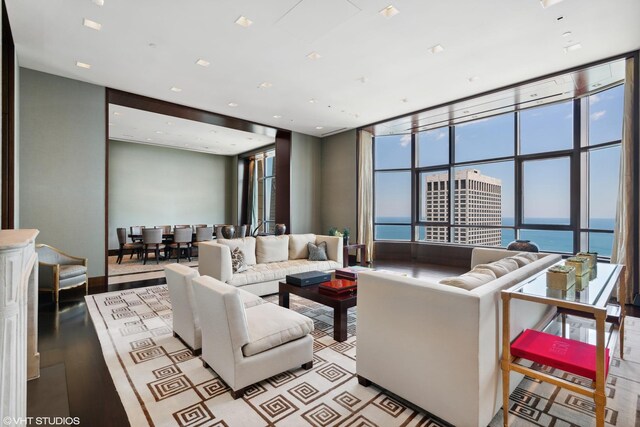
pixel 237 261
pixel 317 252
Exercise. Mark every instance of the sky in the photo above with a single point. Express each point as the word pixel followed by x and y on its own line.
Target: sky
pixel 545 182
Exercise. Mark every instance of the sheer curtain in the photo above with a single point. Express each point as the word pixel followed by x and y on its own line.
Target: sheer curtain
pixel 623 232
pixel 252 196
pixel 365 192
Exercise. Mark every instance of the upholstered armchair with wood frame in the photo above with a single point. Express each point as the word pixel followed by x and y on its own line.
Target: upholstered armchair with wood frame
pixel 58 271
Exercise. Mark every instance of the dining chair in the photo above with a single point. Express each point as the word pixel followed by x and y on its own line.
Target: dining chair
pixel 136 232
pixel 182 226
pixel 181 241
pixel 203 234
pixel 166 229
pixel 241 231
pixel 135 247
pixel 152 240
pixel 196 226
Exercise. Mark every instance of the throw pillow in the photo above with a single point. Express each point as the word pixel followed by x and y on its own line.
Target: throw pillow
pixel 317 252
pixel 471 280
pixel 237 261
pixel 298 245
pixel 531 256
pixel 520 260
pixel 500 267
pixel 272 249
pixel 246 244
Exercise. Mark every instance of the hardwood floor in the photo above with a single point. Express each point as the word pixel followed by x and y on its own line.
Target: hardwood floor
pixel 74 378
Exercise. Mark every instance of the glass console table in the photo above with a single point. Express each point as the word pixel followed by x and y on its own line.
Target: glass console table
pixel 583 314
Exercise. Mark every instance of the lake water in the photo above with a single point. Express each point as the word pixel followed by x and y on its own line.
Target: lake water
pixel 547 240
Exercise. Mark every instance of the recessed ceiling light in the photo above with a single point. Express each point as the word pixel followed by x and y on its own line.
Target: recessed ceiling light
pixel 533 95
pixel 99 2
pixel 149 139
pixel 116 113
pixel 243 21
pixel 169 123
pixel 186 145
pixel 436 49
pixel 473 79
pixel 110 124
pixel 312 101
pixel 319 127
pixel 159 132
pixel 547 3
pixel 128 136
pixel 203 63
pixel 475 116
pixel 232 104
pixel 206 148
pixel 363 79
pixel 277 116
pixel 83 65
pixel 389 11
pixel 176 89
pixel 572 47
pixel 560 18
pixel 249 138
pixel 566 34
pixel 92 24
pixel 265 85
pixel 466 111
pixel 314 55
pixel 596 85
pixel 405 100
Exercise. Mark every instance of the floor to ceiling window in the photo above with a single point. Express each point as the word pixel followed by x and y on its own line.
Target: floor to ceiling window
pixel 261 206
pixel 547 173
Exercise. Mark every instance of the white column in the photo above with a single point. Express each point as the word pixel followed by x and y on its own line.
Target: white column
pixel 18 319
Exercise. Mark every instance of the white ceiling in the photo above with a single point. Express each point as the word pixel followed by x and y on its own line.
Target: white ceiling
pixel 371 67
pixel 132 125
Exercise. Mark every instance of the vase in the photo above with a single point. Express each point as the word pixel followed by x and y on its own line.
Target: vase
pixel 228 231
pixel 345 240
pixel 280 229
pixel 523 246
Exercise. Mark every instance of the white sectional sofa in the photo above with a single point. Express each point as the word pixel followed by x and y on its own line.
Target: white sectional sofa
pixel 439 346
pixel 269 259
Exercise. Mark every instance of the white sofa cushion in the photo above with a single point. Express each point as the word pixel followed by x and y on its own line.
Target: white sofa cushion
pixel 500 268
pixel 521 261
pixel 246 244
pixel 272 249
pixel 270 325
pixel 471 280
pixel 298 245
pixel 278 270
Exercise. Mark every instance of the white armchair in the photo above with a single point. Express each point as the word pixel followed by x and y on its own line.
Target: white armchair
pixel 245 346
pixel 186 325
pixel 185 316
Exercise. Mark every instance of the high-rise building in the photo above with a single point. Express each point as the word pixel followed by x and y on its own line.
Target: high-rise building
pixel 477 200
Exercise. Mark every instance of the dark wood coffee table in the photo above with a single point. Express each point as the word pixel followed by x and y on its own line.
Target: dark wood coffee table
pixel 340 303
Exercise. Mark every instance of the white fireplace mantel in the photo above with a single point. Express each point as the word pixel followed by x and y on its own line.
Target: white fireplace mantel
pixel 19 357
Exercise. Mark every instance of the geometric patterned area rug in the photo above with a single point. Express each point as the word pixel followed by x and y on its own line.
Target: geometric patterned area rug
pixel 161 384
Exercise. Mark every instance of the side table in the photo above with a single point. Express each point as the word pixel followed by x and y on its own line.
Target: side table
pixel 358 247
pixel 605 325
